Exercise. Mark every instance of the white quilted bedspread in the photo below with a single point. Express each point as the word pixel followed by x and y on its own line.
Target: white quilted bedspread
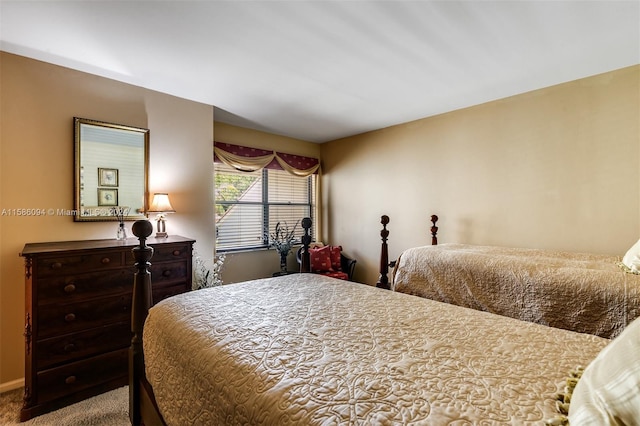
pixel 309 350
pixel 583 292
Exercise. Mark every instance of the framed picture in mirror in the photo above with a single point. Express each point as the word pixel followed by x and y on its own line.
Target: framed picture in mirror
pixel 107 197
pixel 107 177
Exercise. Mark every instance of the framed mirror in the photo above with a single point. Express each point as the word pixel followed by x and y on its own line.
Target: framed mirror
pixel 111 171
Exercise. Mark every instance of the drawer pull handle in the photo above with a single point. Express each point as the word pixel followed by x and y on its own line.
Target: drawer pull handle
pixel 105 260
pixel 56 265
pixel 176 252
pixel 70 288
pixel 70 317
pixel 69 347
pixel 70 380
pixel 166 273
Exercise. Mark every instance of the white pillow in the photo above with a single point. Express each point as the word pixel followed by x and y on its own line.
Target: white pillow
pixel 608 393
pixel 632 258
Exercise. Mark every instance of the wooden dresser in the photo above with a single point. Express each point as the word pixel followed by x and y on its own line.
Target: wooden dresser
pixel 78 314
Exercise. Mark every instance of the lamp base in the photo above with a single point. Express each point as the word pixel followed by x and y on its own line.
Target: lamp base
pixel 162 230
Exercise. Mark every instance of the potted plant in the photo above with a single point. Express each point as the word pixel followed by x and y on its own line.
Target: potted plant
pixel 282 239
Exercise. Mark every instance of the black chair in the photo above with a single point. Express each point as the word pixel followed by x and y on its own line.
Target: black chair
pixel 347 265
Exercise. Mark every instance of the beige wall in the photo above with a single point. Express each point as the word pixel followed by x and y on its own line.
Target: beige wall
pixel 556 168
pixel 242 266
pixel 38 103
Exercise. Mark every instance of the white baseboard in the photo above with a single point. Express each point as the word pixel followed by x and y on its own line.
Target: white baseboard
pixel 14 384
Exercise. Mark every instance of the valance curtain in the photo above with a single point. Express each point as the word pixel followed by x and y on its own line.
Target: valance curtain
pixel 251 159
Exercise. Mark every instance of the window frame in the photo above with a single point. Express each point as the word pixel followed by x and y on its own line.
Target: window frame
pixel 311 183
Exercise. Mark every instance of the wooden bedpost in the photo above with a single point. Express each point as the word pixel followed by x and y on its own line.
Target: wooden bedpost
pixel 434 230
pixel 139 310
pixel 383 281
pixel 305 263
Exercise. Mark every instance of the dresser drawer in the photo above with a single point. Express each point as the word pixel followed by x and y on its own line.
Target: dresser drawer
pixel 73 264
pixel 62 289
pixel 71 317
pixel 163 253
pixel 71 347
pixel 161 293
pixel 166 252
pixel 168 272
pixel 77 376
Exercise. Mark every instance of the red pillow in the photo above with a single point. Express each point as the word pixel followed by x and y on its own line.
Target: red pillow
pixel 320 259
pixel 335 257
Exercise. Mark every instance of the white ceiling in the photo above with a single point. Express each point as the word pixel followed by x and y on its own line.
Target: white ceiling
pixel 321 70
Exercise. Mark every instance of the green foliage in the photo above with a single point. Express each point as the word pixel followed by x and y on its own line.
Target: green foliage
pixel 230 187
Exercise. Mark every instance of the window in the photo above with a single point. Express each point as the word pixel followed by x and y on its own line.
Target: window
pixel 248 205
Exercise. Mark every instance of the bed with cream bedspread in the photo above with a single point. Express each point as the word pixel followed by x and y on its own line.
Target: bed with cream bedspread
pixel 587 293
pixel 305 349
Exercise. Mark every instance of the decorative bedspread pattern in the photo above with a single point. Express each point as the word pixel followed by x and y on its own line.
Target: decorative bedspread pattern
pixel 586 293
pixel 305 349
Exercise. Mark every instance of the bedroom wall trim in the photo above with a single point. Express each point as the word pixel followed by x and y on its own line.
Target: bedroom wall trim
pixel 11 385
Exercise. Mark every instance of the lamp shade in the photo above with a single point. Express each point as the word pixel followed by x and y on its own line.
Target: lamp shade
pixel 161 203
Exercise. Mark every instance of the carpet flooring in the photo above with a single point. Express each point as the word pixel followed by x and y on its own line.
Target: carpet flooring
pixel 107 409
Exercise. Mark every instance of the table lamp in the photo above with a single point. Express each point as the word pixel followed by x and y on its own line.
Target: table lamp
pixel 161 205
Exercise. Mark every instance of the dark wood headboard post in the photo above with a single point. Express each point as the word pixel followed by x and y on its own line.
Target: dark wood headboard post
pixel 305 263
pixel 434 230
pixel 139 310
pixel 383 281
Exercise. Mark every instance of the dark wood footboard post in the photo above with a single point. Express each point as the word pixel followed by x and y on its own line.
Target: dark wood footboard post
pixel 139 309
pixel 383 281
pixel 305 263
pixel 434 230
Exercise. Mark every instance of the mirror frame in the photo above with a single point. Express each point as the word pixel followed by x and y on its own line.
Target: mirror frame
pixel 78 217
